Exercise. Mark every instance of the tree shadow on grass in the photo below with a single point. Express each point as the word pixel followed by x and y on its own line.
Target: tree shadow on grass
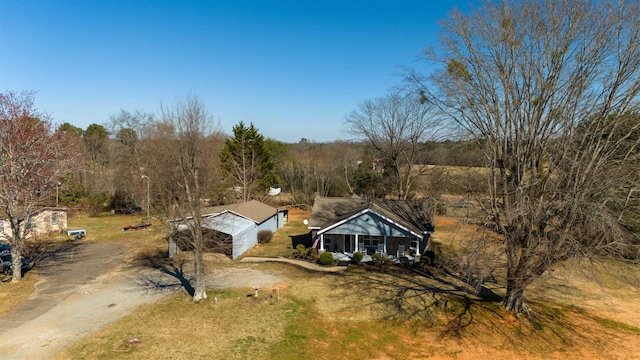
pixel 175 278
pixel 411 293
pixel 441 302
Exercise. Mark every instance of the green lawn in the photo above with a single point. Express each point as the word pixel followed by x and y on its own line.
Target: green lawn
pixel 281 244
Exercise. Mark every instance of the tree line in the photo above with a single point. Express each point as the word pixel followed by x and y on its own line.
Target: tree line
pixel 244 165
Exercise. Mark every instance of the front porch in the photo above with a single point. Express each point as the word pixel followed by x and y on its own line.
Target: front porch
pixel 347 244
pixel 346 258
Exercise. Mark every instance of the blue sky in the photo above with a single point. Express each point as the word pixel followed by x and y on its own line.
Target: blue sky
pixel 294 69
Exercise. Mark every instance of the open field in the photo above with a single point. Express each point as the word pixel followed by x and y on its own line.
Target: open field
pixel 581 311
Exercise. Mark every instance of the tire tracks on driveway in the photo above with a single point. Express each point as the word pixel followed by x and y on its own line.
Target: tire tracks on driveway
pixel 80 290
pixel 89 285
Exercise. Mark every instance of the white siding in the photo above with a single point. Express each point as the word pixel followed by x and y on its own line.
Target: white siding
pixel 244 232
pixel 245 240
pixel 42 224
pixel 269 224
pixel 281 219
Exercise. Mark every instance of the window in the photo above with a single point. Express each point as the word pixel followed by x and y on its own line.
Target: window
pixel 54 218
pixel 327 242
pixel 372 241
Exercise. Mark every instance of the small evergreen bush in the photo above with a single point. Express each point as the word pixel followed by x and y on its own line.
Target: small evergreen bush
pixel 325 258
pixel 405 261
pixel 357 257
pixel 377 258
pixel 300 252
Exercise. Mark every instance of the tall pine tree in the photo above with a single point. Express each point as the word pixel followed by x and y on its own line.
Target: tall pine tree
pixel 246 161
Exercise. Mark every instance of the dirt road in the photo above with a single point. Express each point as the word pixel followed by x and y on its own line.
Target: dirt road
pixel 84 288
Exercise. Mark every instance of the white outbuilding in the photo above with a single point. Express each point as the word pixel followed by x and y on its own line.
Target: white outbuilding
pixel 235 226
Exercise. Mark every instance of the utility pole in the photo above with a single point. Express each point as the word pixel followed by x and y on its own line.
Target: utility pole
pixel 148 205
pixel 57 194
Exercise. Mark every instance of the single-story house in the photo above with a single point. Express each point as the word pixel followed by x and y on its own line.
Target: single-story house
pixel 237 225
pixel 42 223
pixel 391 227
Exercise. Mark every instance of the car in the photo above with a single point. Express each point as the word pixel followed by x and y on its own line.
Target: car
pixel 7 264
pixel 4 247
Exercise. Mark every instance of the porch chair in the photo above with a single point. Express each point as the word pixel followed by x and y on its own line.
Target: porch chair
pixel 362 249
pixel 380 249
pixel 400 251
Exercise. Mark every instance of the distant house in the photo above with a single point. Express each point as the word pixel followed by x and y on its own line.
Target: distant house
pixel 42 223
pixel 391 227
pixel 237 225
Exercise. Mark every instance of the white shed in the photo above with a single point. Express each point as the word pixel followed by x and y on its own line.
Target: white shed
pixel 244 232
pixel 241 222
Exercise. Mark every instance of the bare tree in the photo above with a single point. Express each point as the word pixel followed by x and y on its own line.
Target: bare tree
pixel 99 183
pixel 345 159
pixel 127 151
pixel 295 174
pixel 178 164
pixel 545 86
pixel 327 169
pixel 33 159
pixel 396 125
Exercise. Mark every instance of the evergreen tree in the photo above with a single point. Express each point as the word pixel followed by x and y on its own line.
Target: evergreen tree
pixel 247 162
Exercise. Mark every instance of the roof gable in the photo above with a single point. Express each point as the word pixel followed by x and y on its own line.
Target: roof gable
pixel 414 215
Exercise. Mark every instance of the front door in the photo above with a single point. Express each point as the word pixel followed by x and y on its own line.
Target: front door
pixel 349 243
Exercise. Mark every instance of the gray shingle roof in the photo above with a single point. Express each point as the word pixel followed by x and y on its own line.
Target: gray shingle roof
pixel 416 215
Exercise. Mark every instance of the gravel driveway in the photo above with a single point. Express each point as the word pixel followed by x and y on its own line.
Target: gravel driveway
pixel 87 287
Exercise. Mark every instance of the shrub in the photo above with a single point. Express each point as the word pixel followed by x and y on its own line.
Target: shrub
pixel 301 252
pixel 405 261
pixel 357 257
pixel 377 258
pixel 386 260
pixel 301 249
pixel 308 252
pixel 325 258
pixel 265 236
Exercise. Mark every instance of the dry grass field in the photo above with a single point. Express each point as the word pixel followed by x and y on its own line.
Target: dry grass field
pixel 581 311
pixel 13 294
pixel 390 313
